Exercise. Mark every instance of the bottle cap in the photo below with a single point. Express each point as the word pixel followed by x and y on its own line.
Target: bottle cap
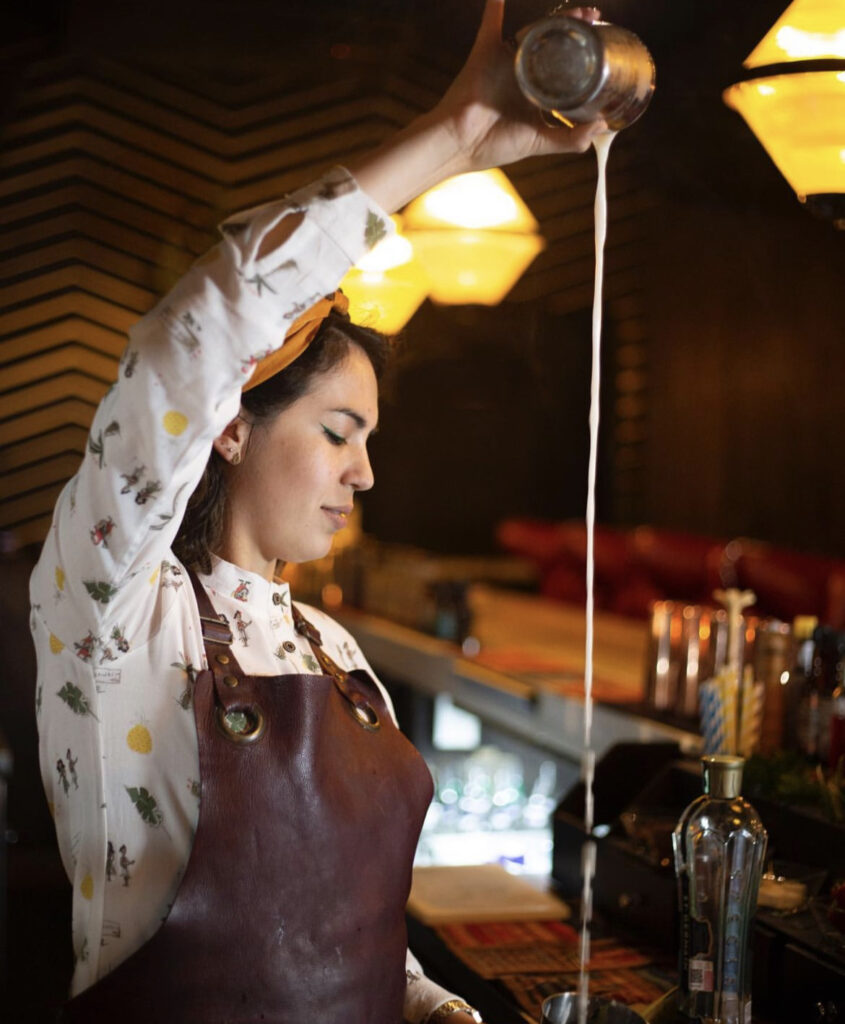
pixel 722 776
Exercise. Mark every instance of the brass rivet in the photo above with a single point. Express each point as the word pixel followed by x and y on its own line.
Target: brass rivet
pixel 289 646
pixel 223 659
pixel 230 680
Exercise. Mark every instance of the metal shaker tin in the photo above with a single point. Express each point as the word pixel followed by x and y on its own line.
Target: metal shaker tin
pixel 577 71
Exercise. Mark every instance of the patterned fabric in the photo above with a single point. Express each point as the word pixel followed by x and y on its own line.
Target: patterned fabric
pixel 114 621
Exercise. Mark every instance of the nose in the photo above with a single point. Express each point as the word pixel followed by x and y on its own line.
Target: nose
pixel 359 475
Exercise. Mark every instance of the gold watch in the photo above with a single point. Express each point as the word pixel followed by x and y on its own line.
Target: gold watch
pixel 445 1011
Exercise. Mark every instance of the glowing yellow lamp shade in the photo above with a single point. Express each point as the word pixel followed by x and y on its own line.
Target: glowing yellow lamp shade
pixel 807 30
pixel 474 236
pixel 385 299
pixel 480 200
pixel 387 286
pixel 800 120
pixel 466 266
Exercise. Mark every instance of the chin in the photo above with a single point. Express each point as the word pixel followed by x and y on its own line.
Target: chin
pixel 311 553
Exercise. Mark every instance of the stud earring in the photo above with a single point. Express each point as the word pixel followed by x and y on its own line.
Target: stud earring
pixel 236 458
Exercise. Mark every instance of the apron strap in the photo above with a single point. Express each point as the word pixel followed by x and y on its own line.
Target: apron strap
pixel 361 708
pixel 220 655
pixel 215 627
pixel 240 721
pixel 217 638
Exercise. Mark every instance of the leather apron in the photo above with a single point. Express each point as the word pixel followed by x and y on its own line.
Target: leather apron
pixel 292 906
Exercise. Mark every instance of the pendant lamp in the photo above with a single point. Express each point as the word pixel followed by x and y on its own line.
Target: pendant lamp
pixel 386 287
pixel 794 102
pixel 474 237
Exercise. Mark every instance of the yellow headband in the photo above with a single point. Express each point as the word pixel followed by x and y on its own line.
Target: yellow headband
pixel 297 339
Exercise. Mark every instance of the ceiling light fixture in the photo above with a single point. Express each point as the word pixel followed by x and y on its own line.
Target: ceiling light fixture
pixel 794 102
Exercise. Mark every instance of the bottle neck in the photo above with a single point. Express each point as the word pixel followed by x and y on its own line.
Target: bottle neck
pixel 722 776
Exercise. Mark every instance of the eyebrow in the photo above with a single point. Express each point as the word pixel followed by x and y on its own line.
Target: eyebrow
pixel 356 417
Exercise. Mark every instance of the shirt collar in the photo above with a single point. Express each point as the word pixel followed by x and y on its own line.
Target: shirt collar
pixel 231 581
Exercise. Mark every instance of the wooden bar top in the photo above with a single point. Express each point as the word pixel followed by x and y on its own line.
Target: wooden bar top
pixel 527 676
pixel 535 639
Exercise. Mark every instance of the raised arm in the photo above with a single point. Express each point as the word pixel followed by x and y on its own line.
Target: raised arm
pixel 482 121
pixel 178 385
pixel 180 378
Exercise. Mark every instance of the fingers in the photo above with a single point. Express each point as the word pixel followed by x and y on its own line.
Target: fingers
pixel 581 135
pixel 575 139
pixel 590 14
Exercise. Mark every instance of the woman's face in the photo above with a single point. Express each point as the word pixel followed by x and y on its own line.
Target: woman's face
pixel 295 485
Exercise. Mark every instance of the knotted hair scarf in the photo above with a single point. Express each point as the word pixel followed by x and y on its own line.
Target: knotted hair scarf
pixel 297 339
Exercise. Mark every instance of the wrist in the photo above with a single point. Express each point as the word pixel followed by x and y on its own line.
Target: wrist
pixel 416 158
pixel 454 1011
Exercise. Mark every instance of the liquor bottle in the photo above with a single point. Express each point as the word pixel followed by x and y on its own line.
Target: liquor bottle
pixel 719 845
pixel 815 703
pixel 575 71
pixel 802 668
pixel 837 706
pixel 771 668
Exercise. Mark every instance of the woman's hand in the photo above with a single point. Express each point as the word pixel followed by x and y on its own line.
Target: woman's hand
pixel 482 121
pixel 492 122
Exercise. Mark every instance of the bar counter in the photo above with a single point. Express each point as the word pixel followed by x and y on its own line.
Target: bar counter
pixel 527 680
pixel 527 677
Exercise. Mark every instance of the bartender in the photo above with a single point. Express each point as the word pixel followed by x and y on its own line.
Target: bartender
pixel 235 808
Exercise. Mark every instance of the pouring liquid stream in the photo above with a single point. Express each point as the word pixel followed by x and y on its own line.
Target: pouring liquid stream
pixel 602 144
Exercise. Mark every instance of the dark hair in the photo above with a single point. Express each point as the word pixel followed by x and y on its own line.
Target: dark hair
pixel 202 525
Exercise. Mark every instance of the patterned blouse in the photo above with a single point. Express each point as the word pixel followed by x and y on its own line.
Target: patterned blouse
pixel 114 620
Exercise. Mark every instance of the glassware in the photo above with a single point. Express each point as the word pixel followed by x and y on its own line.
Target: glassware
pixel 694 622
pixel 563 1009
pixel 577 71
pixel 772 650
pixel 662 681
pixel 720 846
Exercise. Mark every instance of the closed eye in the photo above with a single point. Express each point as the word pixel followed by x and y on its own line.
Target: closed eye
pixel 333 438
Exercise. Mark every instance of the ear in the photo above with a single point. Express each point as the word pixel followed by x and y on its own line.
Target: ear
pixel 230 444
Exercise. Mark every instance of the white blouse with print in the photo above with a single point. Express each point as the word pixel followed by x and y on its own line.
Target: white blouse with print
pixel 114 619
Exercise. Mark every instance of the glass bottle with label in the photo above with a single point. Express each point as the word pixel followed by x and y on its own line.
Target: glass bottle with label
pixel 720 846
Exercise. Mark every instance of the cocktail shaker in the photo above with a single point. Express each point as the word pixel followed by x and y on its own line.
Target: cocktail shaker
pixel 576 71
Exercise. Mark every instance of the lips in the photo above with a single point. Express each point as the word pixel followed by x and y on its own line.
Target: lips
pixel 338 514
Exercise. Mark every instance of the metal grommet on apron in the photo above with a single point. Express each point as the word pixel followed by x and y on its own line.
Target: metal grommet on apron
pixel 241 726
pixel 292 904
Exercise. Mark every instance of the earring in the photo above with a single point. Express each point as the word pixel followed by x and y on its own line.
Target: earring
pixel 236 458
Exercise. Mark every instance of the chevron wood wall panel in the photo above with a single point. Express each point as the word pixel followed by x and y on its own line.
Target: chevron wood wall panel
pixel 113 176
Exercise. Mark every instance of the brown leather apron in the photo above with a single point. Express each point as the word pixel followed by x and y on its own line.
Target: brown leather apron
pixel 291 909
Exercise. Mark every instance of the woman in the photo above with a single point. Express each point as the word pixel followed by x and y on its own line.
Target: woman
pixel 281 897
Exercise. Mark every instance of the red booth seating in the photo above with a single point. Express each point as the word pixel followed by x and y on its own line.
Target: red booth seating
pixel 634 567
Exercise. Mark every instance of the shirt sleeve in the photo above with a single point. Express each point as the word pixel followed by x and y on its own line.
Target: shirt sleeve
pixel 178 386
pixel 422 996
